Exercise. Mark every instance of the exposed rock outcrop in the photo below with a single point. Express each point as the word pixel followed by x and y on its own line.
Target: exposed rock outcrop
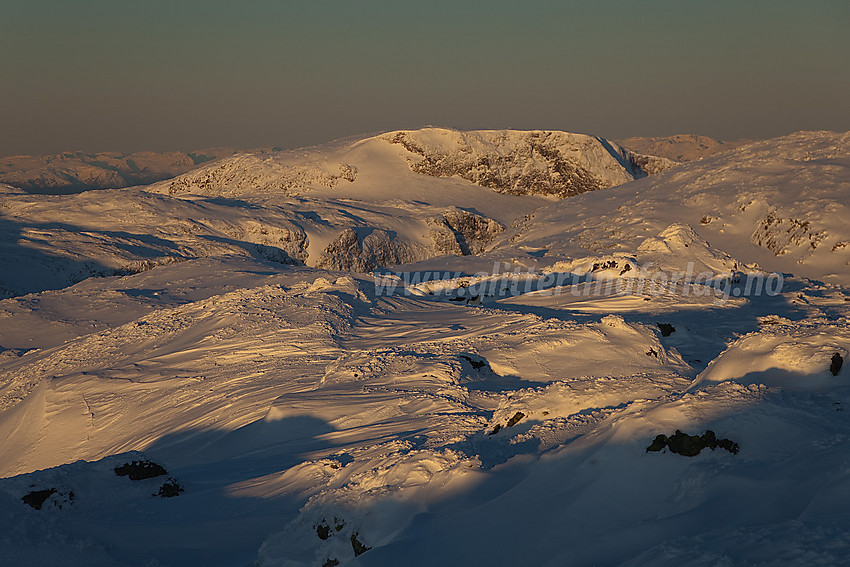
pixel 140 470
pixel 460 232
pixel 835 364
pixel 666 329
pixel 363 249
pixel 691 445
pixel 780 235
pixel 363 253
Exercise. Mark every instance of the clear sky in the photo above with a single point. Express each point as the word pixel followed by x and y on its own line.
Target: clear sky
pixel 100 75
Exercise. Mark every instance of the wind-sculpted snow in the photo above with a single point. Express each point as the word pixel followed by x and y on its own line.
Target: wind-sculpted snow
pixel 783 353
pixel 52 242
pixel 56 241
pixel 346 424
pixel 235 331
pixel 488 402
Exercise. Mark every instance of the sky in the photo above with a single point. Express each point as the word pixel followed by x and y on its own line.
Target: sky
pixel 115 75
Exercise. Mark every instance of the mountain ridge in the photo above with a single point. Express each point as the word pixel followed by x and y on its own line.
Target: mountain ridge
pixel 532 162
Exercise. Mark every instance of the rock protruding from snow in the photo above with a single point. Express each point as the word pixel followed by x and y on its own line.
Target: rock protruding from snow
pixel 511 162
pixel 461 232
pixel 691 445
pixel 54 241
pixel 525 162
pixel 362 249
pixel 835 364
pixel 781 235
pixel 355 252
pixel 140 469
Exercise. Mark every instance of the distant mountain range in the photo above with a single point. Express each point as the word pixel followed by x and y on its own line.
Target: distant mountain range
pixel 73 172
pixel 681 147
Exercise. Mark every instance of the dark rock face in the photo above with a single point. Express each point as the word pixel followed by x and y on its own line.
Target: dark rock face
pixel 603 265
pixel 691 445
pixel 273 254
pixel 835 364
pixel 515 419
pixel 781 235
pixel 170 488
pixel 649 165
pixel 461 232
pixel 363 249
pixel 357 545
pixel 139 470
pixel 348 252
pixel 476 364
pixel 275 243
pixel 36 498
pixel 323 530
pixel 666 329
pixel 658 443
pixel 143 469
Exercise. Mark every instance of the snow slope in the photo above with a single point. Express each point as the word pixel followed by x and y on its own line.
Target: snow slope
pixel 314 419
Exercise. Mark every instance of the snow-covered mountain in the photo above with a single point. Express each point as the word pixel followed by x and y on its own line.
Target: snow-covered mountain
pixel 393 199
pixel 508 161
pixel 533 381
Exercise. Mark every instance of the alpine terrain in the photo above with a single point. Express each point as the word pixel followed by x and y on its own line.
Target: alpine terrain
pixel 432 347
